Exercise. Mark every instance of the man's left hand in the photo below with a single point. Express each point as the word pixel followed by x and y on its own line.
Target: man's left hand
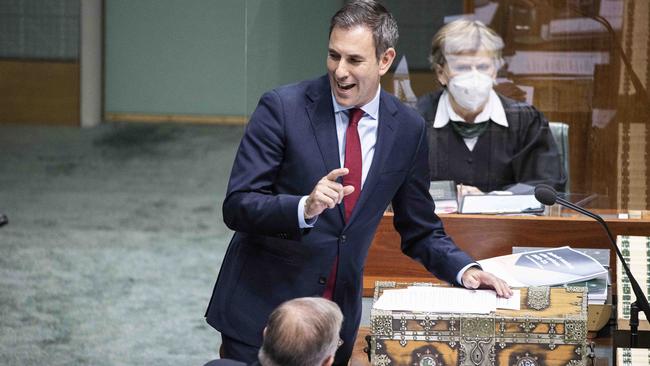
pixel 475 278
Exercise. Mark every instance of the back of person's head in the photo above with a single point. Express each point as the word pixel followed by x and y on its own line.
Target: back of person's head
pixel 302 332
pixel 372 15
pixel 465 36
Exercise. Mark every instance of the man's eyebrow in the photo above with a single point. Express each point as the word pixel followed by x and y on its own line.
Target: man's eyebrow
pixel 354 55
pixel 357 56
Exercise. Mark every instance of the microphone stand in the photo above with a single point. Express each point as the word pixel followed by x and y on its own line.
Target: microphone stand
pixel 641 302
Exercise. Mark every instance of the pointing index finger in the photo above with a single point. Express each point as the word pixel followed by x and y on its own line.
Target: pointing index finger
pixel 334 174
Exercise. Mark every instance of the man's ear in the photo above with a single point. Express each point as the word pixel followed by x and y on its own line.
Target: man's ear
pixel 329 360
pixel 386 60
pixel 264 332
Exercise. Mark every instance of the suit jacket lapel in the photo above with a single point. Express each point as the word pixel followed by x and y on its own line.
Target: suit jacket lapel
pixel 321 115
pixel 385 139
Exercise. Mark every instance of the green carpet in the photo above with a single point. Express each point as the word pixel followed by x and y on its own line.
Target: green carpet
pixel 114 242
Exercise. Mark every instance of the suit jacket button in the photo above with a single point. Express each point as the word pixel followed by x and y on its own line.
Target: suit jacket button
pixel 322 280
pixel 342 239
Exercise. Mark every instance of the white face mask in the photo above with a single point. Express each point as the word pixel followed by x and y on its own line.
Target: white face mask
pixel 470 89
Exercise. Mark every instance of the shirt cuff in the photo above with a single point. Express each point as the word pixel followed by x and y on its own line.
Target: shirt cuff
pixel 304 224
pixel 459 277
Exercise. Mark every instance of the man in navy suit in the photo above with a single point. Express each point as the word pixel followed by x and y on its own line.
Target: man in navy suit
pixel 307 191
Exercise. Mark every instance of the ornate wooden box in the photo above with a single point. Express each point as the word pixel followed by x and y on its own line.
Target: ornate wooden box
pixel 550 329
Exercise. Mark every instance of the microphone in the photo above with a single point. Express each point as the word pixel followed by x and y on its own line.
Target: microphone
pixel 548 196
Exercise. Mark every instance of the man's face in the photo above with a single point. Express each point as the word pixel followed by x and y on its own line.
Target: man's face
pixel 352 65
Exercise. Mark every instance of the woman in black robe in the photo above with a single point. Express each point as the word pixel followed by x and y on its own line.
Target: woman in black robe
pixel 481 140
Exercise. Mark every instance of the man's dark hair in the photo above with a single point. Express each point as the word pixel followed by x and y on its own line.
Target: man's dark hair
pixel 301 332
pixel 372 15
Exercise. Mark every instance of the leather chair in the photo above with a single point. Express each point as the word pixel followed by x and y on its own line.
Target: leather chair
pixel 560 133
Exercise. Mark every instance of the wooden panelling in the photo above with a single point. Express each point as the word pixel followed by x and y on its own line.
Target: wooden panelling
pixel 39 92
pixel 176 118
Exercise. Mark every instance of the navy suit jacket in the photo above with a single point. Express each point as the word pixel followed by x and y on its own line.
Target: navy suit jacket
pixel 290 143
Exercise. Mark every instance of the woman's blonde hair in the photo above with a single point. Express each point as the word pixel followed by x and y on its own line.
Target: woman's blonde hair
pixel 465 36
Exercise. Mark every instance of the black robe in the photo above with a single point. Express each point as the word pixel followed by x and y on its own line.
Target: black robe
pixel 524 152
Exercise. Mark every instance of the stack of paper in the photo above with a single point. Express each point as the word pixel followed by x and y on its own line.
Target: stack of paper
pixel 597 287
pixel 636 252
pixel 545 267
pixel 437 299
pixel 632 356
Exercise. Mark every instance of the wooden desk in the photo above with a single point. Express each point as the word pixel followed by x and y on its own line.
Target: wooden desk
pixel 485 236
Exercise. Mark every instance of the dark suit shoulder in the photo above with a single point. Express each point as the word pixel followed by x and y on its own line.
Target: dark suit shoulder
pixel 290 98
pixel 311 87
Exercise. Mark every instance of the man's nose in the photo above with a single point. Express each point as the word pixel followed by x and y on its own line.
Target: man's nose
pixel 341 71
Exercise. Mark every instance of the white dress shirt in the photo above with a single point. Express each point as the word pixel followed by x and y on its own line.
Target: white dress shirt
pixel 367 128
pixel 367 132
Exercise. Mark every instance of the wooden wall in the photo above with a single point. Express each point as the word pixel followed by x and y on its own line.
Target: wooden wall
pixel 39 92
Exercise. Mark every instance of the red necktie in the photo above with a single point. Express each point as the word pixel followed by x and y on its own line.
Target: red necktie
pixel 352 161
pixel 353 178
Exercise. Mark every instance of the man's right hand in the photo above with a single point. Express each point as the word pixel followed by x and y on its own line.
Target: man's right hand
pixel 327 194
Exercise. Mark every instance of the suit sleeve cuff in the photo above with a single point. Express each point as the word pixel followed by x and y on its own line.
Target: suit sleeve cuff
pixel 304 224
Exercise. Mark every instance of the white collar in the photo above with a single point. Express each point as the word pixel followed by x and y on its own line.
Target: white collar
pixel 371 108
pixel 493 111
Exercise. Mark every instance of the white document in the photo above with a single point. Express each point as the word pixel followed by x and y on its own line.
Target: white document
pixel 496 204
pixel 556 63
pixel 484 13
pixel 600 118
pixel 402 84
pixel 513 303
pixel 402 68
pixel 575 25
pixel 612 10
pixel 442 300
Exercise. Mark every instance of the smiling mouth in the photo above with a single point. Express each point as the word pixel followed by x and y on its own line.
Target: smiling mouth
pixel 345 86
